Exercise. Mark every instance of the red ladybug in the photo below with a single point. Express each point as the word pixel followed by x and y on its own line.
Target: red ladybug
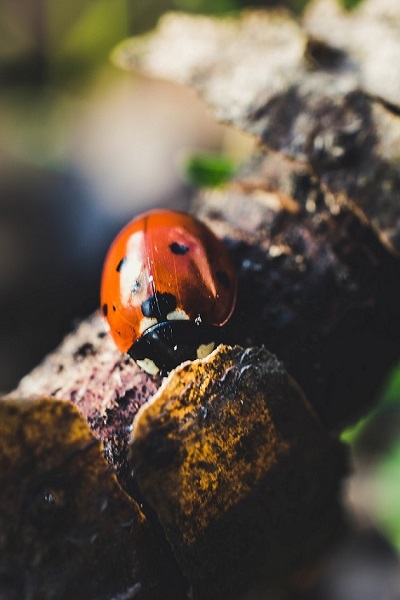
pixel 168 285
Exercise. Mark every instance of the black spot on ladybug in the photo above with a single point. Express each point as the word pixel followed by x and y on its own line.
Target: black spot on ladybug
pixel 177 248
pixel 121 262
pixel 114 308
pixel 223 278
pixel 104 308
pixel 159 305
pixel 119 333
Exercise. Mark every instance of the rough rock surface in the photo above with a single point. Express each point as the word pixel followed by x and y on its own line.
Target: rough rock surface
pixel 239 470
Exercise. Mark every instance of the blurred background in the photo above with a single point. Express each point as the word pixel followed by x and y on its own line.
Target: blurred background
pixel 80 144
pixel 83 148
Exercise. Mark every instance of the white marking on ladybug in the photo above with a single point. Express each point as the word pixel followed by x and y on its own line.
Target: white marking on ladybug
pixel 177 315
pixel 205 349
pixel 148 365
pixel 132 270
pixel 147 322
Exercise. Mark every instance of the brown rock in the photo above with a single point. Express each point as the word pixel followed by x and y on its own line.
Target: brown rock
pixel 67 529
pixel 106 386
pixel 241 474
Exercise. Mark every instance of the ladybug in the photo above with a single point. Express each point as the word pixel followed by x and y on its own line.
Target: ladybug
pixel 168 285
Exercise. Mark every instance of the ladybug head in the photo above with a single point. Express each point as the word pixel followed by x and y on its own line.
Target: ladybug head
pixel 165 345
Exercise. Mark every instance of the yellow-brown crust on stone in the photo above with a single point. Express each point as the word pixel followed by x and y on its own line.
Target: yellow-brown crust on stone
pixel 227 451
pixel 67 529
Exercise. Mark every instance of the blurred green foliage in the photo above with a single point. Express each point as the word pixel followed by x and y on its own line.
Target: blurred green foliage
pixel 391 393
pixel 49 40
pixel 350 4
pixel 227 6
pixel 207 6
pixel 351 434
pixel 389 400
pixel 387 482
pixel 209 170
pixel 87 43
pixel 375 442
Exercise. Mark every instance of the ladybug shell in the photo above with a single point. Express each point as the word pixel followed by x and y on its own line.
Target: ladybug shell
pixel 165 266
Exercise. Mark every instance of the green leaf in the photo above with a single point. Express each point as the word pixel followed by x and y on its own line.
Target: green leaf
pixel 209 170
